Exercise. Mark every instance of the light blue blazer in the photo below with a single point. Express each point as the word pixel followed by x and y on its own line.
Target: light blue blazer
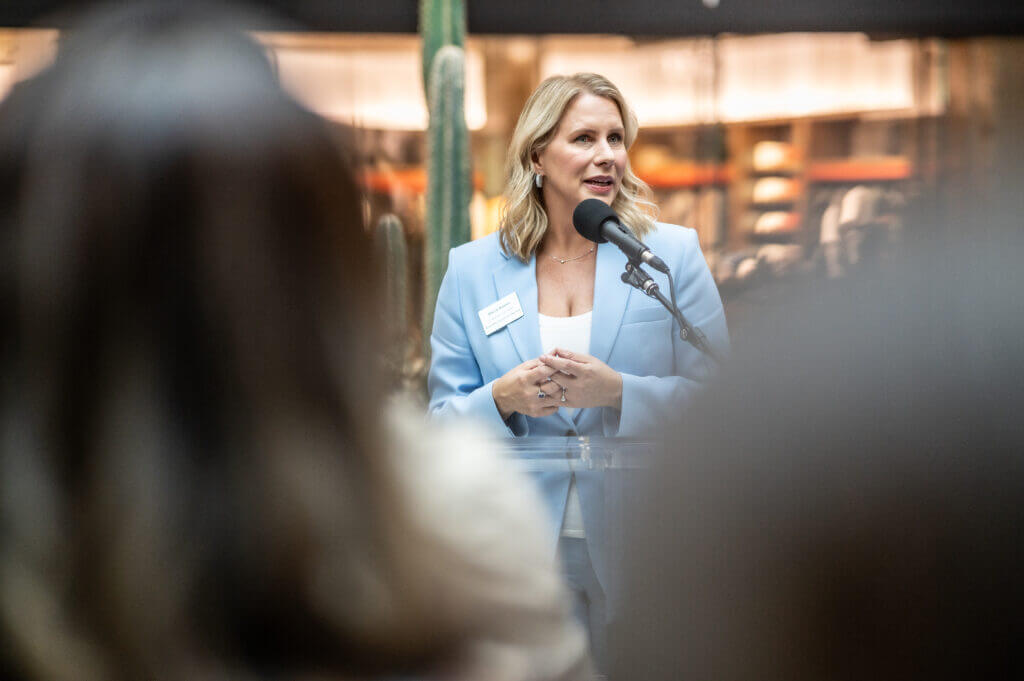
pixel 630 332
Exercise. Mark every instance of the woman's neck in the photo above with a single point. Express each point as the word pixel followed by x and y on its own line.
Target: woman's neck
pixel 562 239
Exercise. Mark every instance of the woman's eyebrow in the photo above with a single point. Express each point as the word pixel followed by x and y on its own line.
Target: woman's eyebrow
pixel 584 128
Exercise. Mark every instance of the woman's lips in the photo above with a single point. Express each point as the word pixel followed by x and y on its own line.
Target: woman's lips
pixel 600 185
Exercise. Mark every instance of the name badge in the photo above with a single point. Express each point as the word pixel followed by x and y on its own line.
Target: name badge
pixel 500 314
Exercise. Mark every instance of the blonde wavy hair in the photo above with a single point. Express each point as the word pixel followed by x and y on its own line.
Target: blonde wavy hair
pixel 524 220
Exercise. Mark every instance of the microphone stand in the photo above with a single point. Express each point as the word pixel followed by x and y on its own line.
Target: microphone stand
pixel 636 277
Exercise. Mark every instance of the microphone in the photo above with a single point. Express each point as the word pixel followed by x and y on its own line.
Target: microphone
pixel 595 220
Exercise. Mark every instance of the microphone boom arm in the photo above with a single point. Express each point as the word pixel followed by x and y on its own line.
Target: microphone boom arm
pixel 636 277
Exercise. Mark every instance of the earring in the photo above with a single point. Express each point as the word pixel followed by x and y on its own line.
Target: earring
pixel 538 180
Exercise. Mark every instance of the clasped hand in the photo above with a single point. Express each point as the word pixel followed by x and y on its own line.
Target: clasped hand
pixel 560 378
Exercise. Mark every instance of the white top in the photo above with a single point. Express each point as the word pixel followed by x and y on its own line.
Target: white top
pixel 573 334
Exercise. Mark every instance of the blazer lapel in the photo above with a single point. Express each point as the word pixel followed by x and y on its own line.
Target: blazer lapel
pixel 521 278
pixel 610 298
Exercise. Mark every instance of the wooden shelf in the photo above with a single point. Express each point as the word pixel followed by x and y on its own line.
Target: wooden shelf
pixel 686 175
pixel 860 170
pixel 780 171
pixel 411 179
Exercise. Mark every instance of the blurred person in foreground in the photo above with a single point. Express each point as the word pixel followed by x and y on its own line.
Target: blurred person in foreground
pixel 197 481
pixel 847 502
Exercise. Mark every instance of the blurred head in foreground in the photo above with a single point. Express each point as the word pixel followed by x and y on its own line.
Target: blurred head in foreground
pixel 191 475
pixel 846 503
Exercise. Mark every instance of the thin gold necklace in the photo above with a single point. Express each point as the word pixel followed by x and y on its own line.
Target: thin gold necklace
pixel 565 260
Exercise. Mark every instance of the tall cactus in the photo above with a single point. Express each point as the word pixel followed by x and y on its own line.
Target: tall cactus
pixel 448 186
pixel 442 22
pixel 389 240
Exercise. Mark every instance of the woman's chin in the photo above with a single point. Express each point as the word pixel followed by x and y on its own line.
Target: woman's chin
pixel 604 195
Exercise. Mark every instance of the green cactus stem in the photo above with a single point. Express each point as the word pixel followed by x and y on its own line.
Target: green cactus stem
pixel 448 186
pixel 442 22
pixel 389 239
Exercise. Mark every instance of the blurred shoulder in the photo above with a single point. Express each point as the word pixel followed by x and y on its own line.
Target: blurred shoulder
pixel 480 546
pixel 450 469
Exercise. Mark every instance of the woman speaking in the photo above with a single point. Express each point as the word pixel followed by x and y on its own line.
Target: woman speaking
pixel 534 332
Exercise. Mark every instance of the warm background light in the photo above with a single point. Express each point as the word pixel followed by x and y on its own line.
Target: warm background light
pixel 372 82
pixel 376 81
pixel 672 82
pixel 23 52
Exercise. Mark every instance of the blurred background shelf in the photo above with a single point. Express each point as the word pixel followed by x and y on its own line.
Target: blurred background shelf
pixel 860 169
pixel 686 175
pixel 404 179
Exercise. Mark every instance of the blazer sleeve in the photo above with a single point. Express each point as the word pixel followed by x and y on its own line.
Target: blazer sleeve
pixel 455 383
pixel 650 402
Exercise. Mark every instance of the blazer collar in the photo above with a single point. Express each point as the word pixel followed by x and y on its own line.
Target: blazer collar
pixel 610 298
pixel 515 276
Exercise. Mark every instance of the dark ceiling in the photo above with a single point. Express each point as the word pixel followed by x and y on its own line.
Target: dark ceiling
pixel 632 17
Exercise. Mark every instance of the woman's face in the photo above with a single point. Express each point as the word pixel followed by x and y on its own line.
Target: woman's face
pixel 586 157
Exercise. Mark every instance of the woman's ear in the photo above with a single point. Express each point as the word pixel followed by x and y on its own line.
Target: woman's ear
pixel 535 161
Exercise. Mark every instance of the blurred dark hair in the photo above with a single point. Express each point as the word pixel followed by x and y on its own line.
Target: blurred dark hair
pixel 846 502
pixel 190 423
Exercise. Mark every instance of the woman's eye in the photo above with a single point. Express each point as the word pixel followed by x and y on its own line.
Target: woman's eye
pixel 582 138
pixel 615 138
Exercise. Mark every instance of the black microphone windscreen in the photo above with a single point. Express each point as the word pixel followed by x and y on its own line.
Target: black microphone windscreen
pixel 588 217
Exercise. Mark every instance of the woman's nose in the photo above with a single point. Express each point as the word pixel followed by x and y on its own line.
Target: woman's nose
pixel 603 153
